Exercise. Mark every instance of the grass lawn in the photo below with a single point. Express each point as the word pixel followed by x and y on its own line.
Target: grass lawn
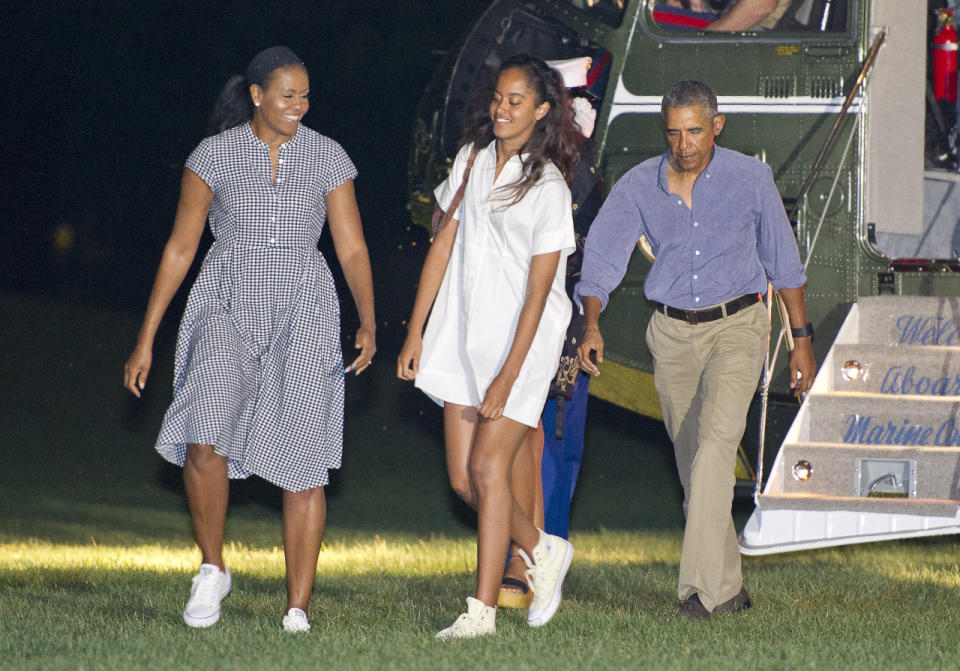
pixel 96 553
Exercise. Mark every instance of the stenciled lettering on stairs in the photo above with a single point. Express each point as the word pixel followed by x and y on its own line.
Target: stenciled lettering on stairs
pixel 900 380
pixel 864 430
pixel 920 330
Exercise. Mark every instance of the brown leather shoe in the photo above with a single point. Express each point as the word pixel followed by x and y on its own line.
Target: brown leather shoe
pixel 738 603
pixel 692 609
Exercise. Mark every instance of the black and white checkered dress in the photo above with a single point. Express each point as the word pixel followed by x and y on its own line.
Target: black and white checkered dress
pixel 259 368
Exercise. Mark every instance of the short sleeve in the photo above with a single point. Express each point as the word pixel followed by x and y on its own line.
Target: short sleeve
pixel 339 166
pixel 201 162
pixel 553 217
pixel 447 189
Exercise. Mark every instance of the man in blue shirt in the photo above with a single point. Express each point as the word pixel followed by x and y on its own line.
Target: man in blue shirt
pixel 716 224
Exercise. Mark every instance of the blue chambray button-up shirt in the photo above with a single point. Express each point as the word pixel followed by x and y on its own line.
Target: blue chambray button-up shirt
pixel 734 238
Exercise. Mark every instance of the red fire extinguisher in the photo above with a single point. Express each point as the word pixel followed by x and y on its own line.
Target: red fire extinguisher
pixel 945 58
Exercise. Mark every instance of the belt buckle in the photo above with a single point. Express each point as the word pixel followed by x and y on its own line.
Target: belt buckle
pixel 691 316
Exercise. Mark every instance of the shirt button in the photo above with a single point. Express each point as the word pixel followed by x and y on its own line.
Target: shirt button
pixel 274 219
pixel 708 174
pixel 696 277
pixel 696 300
pixel 279 179
pixel 679 202
pixel 697 252
pixel 696 223
pixel 273 241
pixel 281 161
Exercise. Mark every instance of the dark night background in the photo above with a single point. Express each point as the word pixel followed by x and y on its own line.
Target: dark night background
pixel 104 101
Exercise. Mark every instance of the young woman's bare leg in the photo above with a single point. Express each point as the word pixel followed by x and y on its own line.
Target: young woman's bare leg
pixel 527 491
pixel 499 516
pixel 459 428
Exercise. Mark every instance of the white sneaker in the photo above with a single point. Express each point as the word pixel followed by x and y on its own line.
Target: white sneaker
pixel 295 620
pixel 479 620
pixel 210 585
pixel 545 574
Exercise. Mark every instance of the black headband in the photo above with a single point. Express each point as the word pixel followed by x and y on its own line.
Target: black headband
pixel 269 60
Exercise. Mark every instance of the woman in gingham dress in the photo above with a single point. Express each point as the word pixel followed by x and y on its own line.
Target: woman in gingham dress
pixel 258 380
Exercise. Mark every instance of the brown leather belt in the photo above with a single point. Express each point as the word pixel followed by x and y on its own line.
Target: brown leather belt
pixel 710 314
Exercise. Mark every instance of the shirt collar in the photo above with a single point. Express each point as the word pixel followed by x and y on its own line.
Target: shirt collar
pixel 252 137
pixel 715 162
pixel 491 150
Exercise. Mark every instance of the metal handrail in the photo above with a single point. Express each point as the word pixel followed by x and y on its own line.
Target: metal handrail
pixel 770 360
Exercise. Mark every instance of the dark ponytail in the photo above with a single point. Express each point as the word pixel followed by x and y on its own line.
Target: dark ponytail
pixel 233 106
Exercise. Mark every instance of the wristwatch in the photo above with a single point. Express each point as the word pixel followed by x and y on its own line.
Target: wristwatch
pixel 804 331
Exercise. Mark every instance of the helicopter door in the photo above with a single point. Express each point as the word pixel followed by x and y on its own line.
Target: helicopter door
pixel 506 29
pixel 894 122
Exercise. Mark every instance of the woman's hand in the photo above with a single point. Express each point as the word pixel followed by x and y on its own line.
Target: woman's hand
pixel 178 253
pixel 343 218
pixel 495 400
pixel 408 363
pixel 366 342
pixel 136 369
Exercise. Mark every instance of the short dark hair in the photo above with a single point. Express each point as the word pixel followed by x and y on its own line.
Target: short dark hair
pixel 690 94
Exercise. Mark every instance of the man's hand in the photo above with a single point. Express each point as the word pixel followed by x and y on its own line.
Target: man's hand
pixel 803 366
pixel 590 352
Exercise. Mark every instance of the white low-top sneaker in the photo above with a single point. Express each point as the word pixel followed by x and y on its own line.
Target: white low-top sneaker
pixel 210 585
pixel 295 620
pixel 545 573
pixel 479 620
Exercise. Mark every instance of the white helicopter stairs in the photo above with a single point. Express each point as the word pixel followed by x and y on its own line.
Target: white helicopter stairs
pixel 874 452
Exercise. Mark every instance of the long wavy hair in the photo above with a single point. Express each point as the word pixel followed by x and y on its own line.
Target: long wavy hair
pixel 555 137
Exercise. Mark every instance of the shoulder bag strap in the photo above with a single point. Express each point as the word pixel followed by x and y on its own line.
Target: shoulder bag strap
pixel 458 196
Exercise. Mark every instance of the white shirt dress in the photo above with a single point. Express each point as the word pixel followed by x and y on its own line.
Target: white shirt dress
pixel 474 318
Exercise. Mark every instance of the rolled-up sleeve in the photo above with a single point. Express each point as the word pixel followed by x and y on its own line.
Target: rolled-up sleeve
pixel 610 243
pixel 777 246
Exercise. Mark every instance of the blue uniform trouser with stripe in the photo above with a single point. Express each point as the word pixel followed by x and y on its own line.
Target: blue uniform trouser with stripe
pixel 561 457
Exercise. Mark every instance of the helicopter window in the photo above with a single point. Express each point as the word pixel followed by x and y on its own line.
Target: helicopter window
pixel 608 11
pixel 813 16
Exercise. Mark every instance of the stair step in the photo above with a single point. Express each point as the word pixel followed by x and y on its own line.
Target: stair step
pixel 881 419
pixel 896 370
pixel 822 503
pixel 909 320
pixel 837 470
pixel 875 456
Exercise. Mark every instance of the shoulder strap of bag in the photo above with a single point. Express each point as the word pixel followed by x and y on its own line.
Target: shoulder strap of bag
pixel 458 196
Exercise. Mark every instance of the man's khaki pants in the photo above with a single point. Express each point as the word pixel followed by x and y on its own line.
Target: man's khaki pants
pixel 706 375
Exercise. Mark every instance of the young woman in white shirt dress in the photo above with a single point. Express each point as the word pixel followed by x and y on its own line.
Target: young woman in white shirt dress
pixel 493 285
